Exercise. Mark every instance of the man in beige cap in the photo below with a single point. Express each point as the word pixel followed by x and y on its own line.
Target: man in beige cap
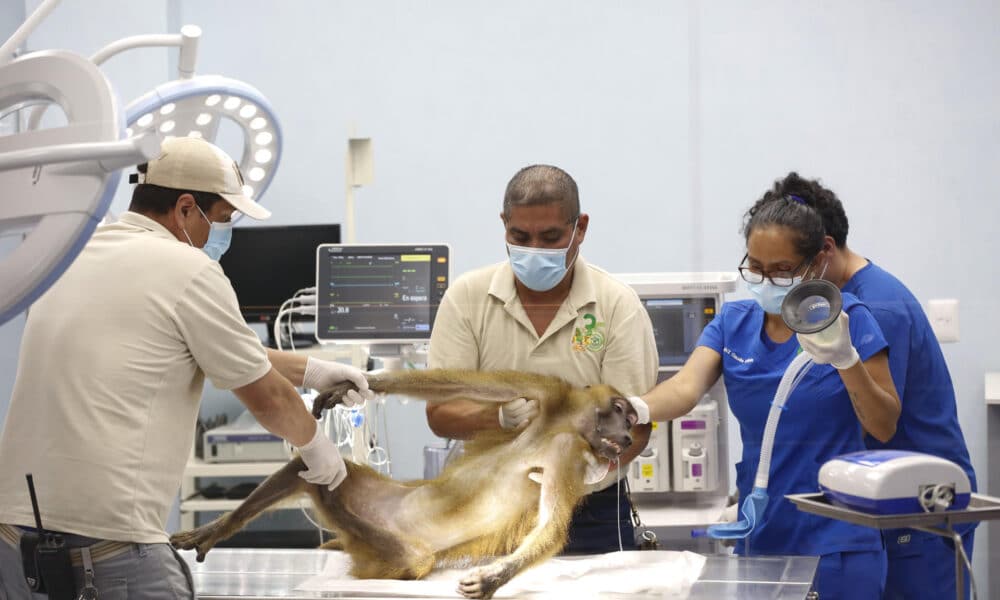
pixel 109 381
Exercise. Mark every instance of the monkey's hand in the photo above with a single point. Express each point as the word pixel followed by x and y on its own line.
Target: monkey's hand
pixel 332 396
pixel 201 539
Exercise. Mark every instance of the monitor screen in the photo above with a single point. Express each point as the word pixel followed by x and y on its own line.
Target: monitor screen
pixel 677 325
pixel 379 293
pixel 266 265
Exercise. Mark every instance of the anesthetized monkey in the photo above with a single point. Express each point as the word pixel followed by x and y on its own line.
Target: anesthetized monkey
pixel 511 495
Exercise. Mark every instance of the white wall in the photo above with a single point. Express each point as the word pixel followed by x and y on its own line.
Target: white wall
pixel 673 117
pixel 457 96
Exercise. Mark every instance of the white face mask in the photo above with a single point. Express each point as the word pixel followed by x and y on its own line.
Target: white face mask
pixel 540 269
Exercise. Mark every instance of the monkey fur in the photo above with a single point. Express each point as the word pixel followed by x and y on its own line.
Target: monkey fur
pixel 509 498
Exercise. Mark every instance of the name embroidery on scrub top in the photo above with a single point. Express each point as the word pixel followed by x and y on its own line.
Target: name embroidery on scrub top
pixel 591 337
pixel 737 358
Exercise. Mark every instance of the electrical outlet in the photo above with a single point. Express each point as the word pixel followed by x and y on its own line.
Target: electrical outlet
pixel 943 315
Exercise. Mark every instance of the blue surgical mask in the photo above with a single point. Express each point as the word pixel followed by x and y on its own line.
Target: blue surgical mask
pixel 540 269
pixel 770 296
pixel 220 235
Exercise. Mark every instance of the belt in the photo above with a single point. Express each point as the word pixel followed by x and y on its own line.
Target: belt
pixel 99 551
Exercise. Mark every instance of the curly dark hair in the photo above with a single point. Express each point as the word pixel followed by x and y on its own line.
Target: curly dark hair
pixel 815 196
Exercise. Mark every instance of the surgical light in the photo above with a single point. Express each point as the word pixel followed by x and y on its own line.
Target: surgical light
pixel 199 110
pixel 58 182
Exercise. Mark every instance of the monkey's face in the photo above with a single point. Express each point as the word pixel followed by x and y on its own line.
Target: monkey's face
pixel 614 418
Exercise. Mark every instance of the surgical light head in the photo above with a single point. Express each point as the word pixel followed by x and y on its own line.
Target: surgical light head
pixel 196 108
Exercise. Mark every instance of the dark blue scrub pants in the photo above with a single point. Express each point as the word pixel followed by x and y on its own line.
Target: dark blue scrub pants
pixel 850 576
pixel 597 521
pixel 923 565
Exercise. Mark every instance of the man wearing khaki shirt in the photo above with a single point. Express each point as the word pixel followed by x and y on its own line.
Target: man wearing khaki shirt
pixel 109 379
pixel 547 311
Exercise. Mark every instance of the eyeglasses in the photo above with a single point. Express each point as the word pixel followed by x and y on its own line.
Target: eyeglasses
pixel 778 278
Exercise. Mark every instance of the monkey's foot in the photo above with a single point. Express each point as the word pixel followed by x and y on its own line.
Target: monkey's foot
pixel 201 539
pixel 330 397
pixel 484 582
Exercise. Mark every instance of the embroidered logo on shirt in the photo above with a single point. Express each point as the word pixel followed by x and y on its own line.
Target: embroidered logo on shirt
pixel 738 358
pixel 591 337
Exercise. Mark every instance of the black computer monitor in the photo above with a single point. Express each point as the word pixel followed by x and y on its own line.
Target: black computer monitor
pixel 267 265
pixel 379 294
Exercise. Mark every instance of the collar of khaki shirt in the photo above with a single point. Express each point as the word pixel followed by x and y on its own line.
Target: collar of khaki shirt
pixel 136 220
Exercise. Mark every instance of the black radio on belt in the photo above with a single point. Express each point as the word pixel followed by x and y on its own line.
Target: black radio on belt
pixel 45 556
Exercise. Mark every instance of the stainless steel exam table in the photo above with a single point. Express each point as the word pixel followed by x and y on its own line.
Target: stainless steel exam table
pixel 265 574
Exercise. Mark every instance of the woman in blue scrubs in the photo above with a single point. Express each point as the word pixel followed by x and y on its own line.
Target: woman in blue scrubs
pixel 847 393
pixel 921 564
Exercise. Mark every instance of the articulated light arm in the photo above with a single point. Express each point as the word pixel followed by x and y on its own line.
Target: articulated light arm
pixel 186 40
pixel 22 33
pixel 109 156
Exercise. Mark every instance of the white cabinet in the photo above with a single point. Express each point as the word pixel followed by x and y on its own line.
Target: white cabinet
pixel 198 468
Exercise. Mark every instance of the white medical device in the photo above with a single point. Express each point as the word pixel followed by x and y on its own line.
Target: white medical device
pixel 695 448
pixel 384 296
pixel 691 459
pixel 650 471
pixel 888 482
pixel 243 440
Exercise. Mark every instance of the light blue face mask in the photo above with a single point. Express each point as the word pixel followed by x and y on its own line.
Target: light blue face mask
pixel 540 269
pixel 770 296
pixel 219 237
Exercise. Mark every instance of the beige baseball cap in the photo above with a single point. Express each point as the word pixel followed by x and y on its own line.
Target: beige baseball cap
pixel 187 163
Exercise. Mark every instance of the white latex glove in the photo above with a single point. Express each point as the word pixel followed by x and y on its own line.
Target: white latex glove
pixel 641 408
pixel 730 514
pixel 323 461
pixel 839 353
pixel 321 374
pixel 517 413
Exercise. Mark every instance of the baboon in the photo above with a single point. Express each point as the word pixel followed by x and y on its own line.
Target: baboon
pixel 509 497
